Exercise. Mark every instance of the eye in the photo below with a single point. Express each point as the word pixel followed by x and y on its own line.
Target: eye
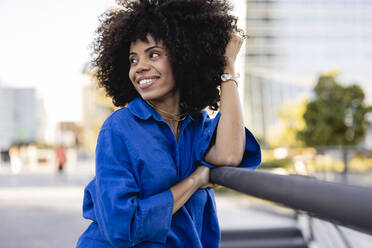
pixel 154 55
pixel 132 60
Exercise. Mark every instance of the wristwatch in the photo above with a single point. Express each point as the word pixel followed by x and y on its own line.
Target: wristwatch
pixel 227 77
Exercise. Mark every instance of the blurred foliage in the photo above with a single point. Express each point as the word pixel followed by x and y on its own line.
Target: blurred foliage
pixel 269 161
pixel 276 163
pixel 324 163
pixel 360 164
pixel 337 115
pixel 329 163
pixel 314 161
pixel 291 121
pixel 261 141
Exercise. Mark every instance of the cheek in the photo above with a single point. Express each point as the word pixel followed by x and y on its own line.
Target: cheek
pixel 131 75
pixel 168 70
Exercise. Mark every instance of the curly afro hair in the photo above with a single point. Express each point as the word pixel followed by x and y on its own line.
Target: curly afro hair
pixel 195 33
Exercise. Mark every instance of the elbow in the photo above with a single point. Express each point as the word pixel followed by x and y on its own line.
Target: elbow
pixel 233 160
pixel 233 157
pixel 225 156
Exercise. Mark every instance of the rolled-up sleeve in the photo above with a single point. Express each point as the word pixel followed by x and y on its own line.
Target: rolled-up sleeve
pixel 123 217
pixel 252 153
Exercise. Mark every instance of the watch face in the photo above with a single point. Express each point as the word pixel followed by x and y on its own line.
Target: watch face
pixel 225 77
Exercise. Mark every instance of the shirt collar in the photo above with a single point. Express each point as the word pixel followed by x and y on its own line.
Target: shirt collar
pixel 138 107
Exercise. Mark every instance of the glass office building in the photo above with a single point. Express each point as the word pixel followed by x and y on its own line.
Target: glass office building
pixel 19 117
pixel 293 42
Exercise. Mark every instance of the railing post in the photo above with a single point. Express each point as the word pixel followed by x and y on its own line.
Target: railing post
pixel 346 162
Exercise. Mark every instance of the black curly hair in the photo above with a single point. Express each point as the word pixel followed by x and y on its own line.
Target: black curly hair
pixel 195 33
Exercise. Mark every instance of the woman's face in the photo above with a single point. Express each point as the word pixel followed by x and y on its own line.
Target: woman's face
pixel 150 70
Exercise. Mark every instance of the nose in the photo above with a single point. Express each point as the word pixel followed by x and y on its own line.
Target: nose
pixel 143 65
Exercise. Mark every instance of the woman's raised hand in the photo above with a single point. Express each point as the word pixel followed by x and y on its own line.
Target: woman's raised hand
pixel 232 49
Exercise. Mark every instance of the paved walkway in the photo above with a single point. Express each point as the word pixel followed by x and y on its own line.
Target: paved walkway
pixel 41 209
pixel 236 211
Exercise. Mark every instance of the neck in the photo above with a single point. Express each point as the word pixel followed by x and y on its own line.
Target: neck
pixel 169 105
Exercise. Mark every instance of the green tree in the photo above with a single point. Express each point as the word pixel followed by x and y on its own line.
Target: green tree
pixel 336 116
pixel 283 133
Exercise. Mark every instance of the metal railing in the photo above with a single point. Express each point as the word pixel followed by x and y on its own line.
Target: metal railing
pixel 346 205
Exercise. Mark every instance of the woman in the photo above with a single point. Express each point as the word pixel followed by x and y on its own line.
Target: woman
pixel 164 60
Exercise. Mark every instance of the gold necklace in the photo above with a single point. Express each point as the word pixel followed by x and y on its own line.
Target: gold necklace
pixel 171 116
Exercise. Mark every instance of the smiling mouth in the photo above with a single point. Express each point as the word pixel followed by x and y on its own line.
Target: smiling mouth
pixel 147 82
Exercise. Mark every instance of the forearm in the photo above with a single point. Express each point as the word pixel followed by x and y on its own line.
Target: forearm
pixel 183 190
pixel 231 125
pixel 229 146
pixel 230 136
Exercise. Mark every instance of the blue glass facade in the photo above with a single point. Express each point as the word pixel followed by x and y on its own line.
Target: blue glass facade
pixel 296 41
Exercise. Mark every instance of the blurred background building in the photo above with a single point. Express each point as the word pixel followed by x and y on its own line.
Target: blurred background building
pixel 295 41
pixel 21 116
pixel 96 107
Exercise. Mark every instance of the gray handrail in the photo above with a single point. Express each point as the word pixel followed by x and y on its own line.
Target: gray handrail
pixel 345 205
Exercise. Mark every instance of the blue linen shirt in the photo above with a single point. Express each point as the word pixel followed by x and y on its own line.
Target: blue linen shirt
pixel 138 159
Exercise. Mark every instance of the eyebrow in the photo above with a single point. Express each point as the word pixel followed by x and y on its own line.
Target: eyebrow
pixel 148 49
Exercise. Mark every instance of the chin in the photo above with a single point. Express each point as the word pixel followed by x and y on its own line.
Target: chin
pixel 157 94
pixel 149 96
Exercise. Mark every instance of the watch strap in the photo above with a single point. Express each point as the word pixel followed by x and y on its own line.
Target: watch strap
pixel 227 77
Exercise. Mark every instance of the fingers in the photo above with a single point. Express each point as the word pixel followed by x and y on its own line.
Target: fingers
pixel 238 37
pixel 203 177
pixel 213 185
pixel 234 45
pixel 242 34
pixel 210 185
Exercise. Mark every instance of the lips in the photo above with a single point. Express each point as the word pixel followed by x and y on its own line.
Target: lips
pixel 146 82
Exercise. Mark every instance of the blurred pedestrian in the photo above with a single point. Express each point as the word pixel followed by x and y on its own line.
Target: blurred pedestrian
pixel 61 158
pixel 15 159
pixel 165 61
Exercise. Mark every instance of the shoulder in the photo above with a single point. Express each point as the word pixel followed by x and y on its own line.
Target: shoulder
pixel 117 119
pixel 118 122
pixel 114 132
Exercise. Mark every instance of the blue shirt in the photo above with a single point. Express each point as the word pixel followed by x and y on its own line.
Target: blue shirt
pixel 138 159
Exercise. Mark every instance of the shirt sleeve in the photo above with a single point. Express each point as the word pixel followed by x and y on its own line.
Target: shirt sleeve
pixel 122 215
pixel 252 153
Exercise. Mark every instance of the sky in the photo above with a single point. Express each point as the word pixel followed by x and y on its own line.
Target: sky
pixel 44 44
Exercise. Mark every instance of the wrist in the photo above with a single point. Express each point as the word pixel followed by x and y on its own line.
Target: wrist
pixel 229 71
pixel 227 77
pixel 229 68
pixel 200 176
pixel 230 82
pixel 196 180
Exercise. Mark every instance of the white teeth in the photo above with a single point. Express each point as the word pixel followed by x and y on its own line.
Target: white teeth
pixel 145 81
